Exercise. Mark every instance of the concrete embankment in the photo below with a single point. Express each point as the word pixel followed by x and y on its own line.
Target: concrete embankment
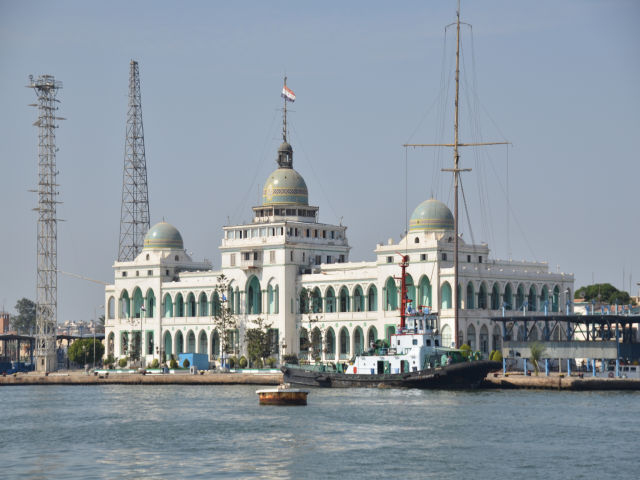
pixel 561 382
pixel 80 378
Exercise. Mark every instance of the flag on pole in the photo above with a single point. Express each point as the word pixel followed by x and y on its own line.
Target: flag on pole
pixel 288 94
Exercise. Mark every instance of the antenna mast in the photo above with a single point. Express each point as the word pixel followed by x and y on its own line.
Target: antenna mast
pixel 456 170
pixel 284 117
pixel 134 210
pixel 46 88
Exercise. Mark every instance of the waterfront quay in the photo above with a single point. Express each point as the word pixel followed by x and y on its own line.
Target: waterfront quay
pixel 555 381
pixel 105 378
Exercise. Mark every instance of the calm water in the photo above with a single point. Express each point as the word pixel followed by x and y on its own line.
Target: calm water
pixel 222 432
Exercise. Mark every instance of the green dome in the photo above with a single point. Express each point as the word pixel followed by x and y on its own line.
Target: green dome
pixel 163 235
pixel 285 186
pixel 431 215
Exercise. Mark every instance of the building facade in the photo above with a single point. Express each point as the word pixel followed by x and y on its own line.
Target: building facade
pixel 293 272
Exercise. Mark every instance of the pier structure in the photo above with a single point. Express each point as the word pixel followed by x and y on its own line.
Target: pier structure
pixel 46 88
pixel 590 338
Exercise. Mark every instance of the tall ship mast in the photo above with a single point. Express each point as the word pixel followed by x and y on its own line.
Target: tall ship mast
pixel 456 170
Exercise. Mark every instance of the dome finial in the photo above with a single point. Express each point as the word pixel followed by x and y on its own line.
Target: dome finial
pixel 285 152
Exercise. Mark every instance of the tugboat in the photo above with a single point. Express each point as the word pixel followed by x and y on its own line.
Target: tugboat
pixel 414 358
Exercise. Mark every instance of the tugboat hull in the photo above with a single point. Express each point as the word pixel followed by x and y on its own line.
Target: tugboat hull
pixel 456 376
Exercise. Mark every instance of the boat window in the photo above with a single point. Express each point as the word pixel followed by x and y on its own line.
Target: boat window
pixel 428 342
pixel 437 343
pixel 398 342
pixel 415 341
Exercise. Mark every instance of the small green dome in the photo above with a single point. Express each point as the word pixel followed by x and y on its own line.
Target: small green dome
pixel 163 235
pixel 285 186
pixel 431 215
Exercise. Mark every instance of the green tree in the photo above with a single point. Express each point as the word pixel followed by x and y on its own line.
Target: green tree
pixel 537 351
pixel 603 292
pixel 224 320
pixel 25 321
pixel 257 341
pixel 81 351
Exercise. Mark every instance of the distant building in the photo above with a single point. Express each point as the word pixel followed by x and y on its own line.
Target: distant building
pixel 4 322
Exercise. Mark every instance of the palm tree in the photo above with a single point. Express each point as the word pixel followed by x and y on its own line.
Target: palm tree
pixel 537 350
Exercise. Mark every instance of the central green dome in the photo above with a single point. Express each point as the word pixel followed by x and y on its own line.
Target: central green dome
pixel 431 215
pixel 163 235
pixel 285 186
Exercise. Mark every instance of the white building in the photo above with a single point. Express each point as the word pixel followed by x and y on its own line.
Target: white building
pixel 294 272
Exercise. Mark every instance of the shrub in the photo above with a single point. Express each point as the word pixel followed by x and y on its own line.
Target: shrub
pixel 109 360
pixel 271 361
pixel 173 363
pixel 291 358
pixel 465 350
pixel 258 363
pixel 186 363
pixel 155 363
pixel 496 356
pixel 233 361
pixel 242 363
pixel 122 362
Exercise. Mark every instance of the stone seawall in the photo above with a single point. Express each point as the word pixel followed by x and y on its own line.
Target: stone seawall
pixel 558 382
pixel 80 378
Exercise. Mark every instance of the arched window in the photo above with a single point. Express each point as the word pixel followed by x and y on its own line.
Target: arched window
pixel 168 307
pixel 330 300
pixel 330 344
pixel 508 297
pixel 254 297
pixel 304 301
pixel 271 299
pixel 424 292
pixel 215 344
pixel 344 343
pixel 110 343
pixel 519 297
pixel 179 341
pixel 469 303
pixel 358 341
pixel 447 338
pixel 125 304
pixel 495 297
pixel 372 298
pixel 544 299
pixel 471 336
pixel 303 344
pixel 532 298
pixel 316 300
pixel 202 342
pixel 391 295
pixel 215 305
pixel 372 336
pixel 191 306
pixel 231 299
pixel 111 308
pixel 203 306
pixel 496 340
pixel 151 304
pixel 344 300
pixel 482 297
pixel 358 299
pixel 138 302
pixel 484 340
pixel 179 310
pixel 191 342
pixel 411 292
pixel 167 346
pixel 445 297
pixel 316 340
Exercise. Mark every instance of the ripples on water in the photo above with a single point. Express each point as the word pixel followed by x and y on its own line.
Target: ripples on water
pixel 190 432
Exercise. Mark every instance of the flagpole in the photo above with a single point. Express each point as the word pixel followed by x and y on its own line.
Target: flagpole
pixel 284 118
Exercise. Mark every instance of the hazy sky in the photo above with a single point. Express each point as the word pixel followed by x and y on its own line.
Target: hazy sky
pixel 558 79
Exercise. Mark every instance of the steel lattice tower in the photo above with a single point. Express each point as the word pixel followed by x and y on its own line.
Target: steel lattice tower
pixel 134 211
pixel 46 88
